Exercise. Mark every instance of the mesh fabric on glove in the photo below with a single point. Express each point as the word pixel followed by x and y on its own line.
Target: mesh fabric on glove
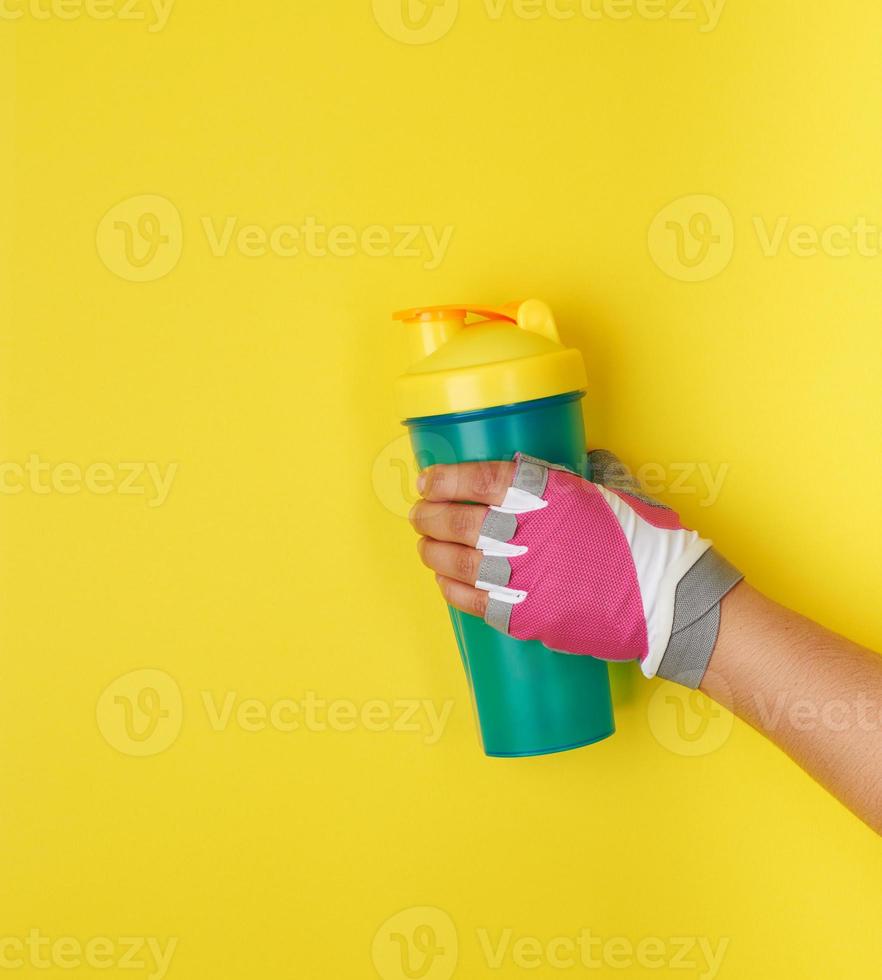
pixel 596 569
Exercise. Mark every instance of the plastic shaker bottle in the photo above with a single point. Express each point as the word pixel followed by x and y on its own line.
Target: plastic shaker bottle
pixel 480 391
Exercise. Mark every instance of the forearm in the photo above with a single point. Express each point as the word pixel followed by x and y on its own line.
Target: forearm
pixel 597 568
pixel 815 694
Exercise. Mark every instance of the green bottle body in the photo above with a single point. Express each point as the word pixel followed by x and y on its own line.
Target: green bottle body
pixel 528 700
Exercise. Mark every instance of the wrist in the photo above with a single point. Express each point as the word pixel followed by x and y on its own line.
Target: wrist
pixel 696 617
pixel 730 657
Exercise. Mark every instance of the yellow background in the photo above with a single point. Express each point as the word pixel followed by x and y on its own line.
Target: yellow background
pixel 281 563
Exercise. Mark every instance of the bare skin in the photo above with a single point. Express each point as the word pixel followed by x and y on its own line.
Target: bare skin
pixel 815 694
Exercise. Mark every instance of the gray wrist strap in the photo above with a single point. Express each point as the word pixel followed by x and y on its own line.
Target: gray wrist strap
pixel 697 618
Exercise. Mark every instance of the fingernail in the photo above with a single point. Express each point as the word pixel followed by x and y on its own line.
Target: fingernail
pixel 421 482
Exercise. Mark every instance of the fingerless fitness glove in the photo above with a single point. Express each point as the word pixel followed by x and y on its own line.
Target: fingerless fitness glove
pixel 598 568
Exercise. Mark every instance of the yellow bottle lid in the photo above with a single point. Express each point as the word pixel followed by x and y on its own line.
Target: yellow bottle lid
pixel 512 354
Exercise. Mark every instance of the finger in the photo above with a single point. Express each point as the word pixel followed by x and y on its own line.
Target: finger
pixel 463 597
pixel 482 483
pixel 460 523
pixel 451 560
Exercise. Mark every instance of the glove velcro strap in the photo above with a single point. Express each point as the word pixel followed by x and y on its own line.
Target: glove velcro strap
pixel 498 614
pixel 697 618
pixel 498 526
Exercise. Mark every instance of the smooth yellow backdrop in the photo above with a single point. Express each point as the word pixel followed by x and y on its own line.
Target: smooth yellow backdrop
pixel 279 566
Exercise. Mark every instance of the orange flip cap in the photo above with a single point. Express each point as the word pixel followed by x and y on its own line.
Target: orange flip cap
pixel 507 312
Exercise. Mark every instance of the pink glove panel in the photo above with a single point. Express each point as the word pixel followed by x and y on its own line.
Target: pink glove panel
pixel 583 568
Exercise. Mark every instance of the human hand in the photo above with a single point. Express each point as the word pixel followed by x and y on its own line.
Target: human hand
pixel 585 567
